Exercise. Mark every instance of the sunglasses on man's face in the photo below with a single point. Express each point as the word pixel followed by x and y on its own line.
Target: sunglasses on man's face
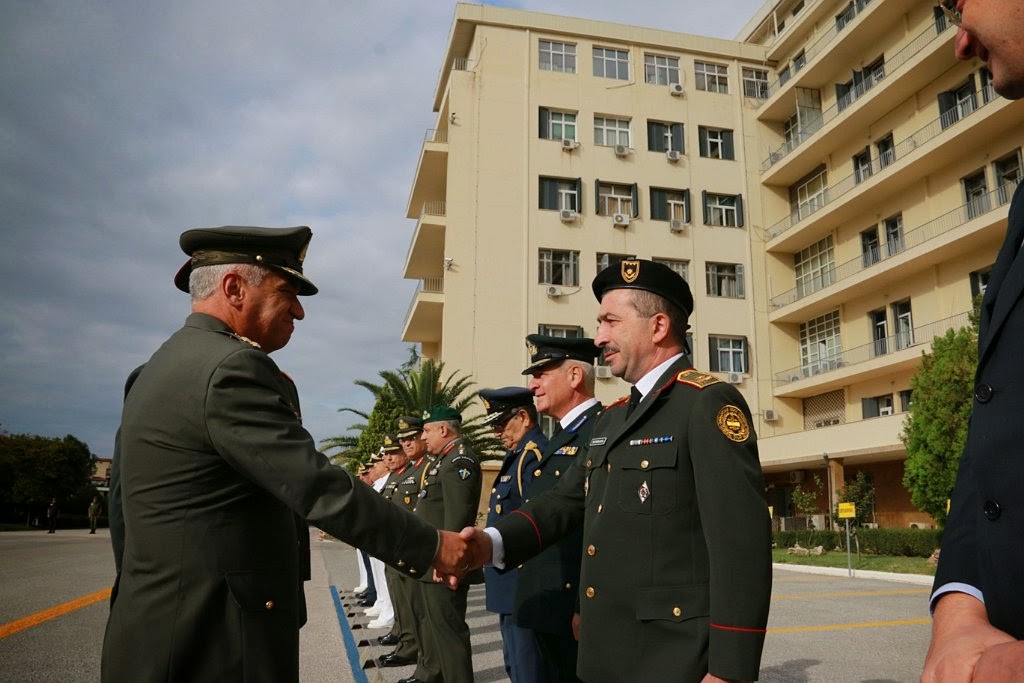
pixel 948 8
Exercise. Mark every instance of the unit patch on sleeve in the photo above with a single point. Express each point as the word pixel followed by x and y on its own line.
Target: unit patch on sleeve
pixel 733 423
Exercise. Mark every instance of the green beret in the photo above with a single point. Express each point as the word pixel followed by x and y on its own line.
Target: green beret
pixel 544 349
pixel 408 425
pixel 282 249
pixel 441 414
pixel 650 276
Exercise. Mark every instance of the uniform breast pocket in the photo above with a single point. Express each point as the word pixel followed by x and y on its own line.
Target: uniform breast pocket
pixel 645 479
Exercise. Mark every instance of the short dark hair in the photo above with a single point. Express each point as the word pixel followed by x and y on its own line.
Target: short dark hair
pixel 648 304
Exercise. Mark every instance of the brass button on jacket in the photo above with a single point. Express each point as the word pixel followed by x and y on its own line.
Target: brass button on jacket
pixel 270 604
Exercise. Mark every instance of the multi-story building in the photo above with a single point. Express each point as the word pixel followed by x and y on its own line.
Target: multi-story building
pixel 833 185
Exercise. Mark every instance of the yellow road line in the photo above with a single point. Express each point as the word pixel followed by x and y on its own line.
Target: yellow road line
pixel 906 591
pixel 841 627
pixel 10 628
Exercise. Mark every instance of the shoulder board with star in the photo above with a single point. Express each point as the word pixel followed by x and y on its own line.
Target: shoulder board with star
pixel 621 401
pixel 238 337
pixel 697 379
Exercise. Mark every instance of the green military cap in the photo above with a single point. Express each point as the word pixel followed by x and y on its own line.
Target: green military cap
pixel 282 249
pixel 390 444
pixel 500 403
pixel 441 414
pixel 544 349
pixel 408 425
pixel 647 275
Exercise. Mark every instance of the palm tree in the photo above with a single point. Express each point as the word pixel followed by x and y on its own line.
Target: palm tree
pixel 410 391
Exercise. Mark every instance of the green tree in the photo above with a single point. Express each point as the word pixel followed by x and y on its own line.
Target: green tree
pixel 935 431
pixel 805 501
pixel 861 492
pixel 410 391
pixel 34 469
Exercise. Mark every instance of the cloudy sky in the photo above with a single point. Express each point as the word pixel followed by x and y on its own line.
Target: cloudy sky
pixel 122 123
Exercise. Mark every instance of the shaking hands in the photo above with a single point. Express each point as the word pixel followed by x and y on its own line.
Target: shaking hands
pixel 459 553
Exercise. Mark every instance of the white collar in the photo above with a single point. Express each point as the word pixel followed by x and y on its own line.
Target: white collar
pixel 646 383
pixel 571 416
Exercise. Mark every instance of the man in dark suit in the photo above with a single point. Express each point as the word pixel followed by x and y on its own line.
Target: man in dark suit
pixel 547 593
pixel 676 573
pixel 212 470
pixel 977 601
pixel 512 415
pixel 448 499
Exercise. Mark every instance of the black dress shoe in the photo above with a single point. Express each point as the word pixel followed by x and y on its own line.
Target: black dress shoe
pixel 388 639
pixel 394 659
pixel 365 603
pixel 410 679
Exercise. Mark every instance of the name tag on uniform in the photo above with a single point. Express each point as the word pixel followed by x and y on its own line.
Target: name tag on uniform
pixel 599 441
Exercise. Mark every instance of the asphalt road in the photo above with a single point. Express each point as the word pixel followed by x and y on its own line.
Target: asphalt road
pixel 823 629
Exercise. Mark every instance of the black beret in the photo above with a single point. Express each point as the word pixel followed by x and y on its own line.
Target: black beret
pixel 282 249
pixel 408 425
pixel 544 349
pixel 500 402
pixel 650 276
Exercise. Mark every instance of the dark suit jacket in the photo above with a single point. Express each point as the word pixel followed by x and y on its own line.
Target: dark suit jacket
pixel 547 593
pixel 676 574
pixel 507 494
pixel 982 542
pixel 211 468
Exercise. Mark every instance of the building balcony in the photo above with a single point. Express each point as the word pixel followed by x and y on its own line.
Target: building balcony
pixel 937 241
pixel 927 150
pixel 878 358
pixel 841 44
pixel 430 183
pixel 423 321
pixel 426 250
pixel 881 91
pixel 877 438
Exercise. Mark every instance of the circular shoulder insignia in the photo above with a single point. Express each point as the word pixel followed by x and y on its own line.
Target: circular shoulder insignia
pixel 733 423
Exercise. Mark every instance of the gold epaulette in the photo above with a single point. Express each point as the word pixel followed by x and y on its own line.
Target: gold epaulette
pixel 696 378
pixel 532 446
pixel 621 401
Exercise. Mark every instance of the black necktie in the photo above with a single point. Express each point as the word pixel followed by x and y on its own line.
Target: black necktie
pixel 634 400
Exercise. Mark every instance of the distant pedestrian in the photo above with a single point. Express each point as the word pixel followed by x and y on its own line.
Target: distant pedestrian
pixel 95 509
pixel 52 513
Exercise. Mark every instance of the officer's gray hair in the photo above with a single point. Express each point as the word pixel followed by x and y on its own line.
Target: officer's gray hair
pixel 587 370
pixel 453 426
pixel 203 281
pixel 647 304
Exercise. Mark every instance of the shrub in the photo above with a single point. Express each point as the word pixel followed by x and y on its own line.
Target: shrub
pixel 899 542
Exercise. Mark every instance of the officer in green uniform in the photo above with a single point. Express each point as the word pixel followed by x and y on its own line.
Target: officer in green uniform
pixel 676 573
pixel 448 499
pixel 403 492
pixel 547 594
pixel 212 466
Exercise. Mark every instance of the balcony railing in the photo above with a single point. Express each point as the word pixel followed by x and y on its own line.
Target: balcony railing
pixel 462 64
pixel 892 65
pixel 436 135
pixel 429 285
pixel 916 237
pixel 883 161
pixel 875 349
pixel 433 208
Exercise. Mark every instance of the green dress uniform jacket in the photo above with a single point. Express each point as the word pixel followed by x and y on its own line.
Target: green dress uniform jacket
pixel 547 594
pixel 676 574
pixel 211 467
pixel 402 490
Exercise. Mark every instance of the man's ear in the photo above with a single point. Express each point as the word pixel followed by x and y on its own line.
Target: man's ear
pixel 659 327
pixel 232 286
pixel 575 376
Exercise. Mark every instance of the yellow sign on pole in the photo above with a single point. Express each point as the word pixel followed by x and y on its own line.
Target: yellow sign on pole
pixel 847 511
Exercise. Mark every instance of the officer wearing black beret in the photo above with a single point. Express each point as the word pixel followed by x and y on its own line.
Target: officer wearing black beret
pixel 214 479
pixel 512 415
pixel 676 573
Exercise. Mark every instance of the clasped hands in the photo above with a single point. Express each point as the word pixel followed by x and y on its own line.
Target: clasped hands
pixel 460 553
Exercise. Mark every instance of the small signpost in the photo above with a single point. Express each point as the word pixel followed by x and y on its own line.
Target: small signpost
pixel 848 511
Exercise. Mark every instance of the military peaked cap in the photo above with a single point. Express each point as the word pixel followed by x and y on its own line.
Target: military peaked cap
pixel 544 349
pixel 649 276
pixel 408 425
pixel 282 249
pixel 504 401
pixel 390 444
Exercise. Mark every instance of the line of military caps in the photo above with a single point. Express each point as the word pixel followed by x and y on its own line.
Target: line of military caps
pixel 408 426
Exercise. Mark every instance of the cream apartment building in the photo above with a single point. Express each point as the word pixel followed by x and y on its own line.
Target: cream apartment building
pixel 832 184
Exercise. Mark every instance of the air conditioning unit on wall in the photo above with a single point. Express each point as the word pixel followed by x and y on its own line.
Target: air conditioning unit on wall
pixel 569 145
pixel 771 415
pixel 676 89
pixel 567 215
pixel 620 220
pixel 555 291
pixel 621 150
pixel 735 378
pixel 673 155
pixel 676 225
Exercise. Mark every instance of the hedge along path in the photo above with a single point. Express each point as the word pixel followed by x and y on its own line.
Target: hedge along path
pixel 32 620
